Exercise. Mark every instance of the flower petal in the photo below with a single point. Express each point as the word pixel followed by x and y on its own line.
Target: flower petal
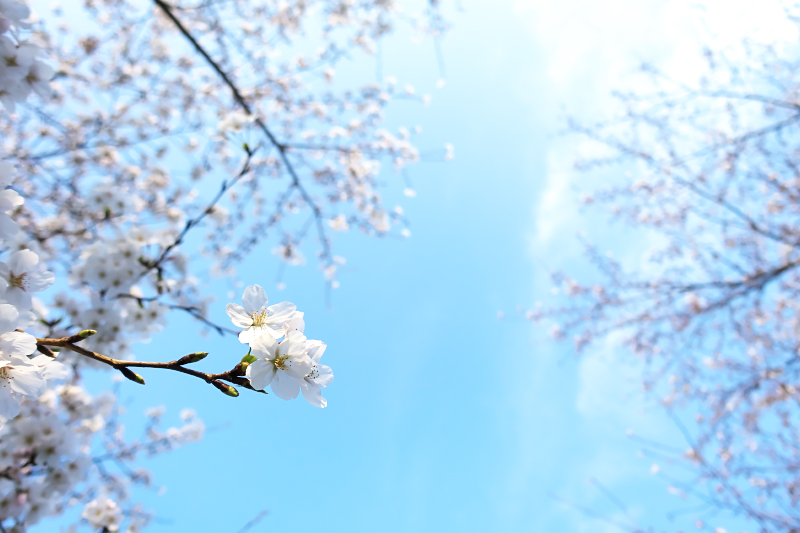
pixel 313 394
pixel 17 344
pixel 285 386
pixel 315 350
pixel 39 280
pixel 298 366
pixel 19 298
pixel 8 228
pixel 9 403
pixel 260 373
pixel 9 318
pixel 296 323
pixel 324 376
pixel 27 380
pixel 254 298
pixel 293 344
pixel 22 261
pixel 238 315
pixel 282 311
pixel 264 347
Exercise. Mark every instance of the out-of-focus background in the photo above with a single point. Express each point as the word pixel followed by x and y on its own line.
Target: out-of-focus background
pixel 445 416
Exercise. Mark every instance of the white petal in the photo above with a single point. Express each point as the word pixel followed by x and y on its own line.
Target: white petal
pixel 324 376
pixel 249 335
pixel 9 317
pixel 27 379
pixel 313 394
pixel 39 280
pixel 51 370
pixel 8 228
pixel 9 199
pixel 315 350
pixel 254 298
pixel 22 261
pixel 282 311
pixel 298 366
pixel 293 344
pixel 19 298
pixel 264 347
pixel 9 402
pixel 238 315
pixel 285 386
pixel 276 329
pixel 296 323
pixel 260 373
pixel 16 344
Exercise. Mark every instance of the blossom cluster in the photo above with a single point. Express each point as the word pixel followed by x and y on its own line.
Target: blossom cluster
pixel 21 70
pixel 287 366
pixel 108 199
pixel 49 460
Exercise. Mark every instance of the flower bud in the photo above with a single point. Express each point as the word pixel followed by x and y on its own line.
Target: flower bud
pixel 227 389
pixel 131 375
pixel 85 334
pixel 192 358
pixel 46 351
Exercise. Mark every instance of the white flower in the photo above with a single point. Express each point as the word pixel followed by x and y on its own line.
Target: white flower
pixel 103 512
pixel 52 371
pixel 235 122
pixel 281 365
pixel 21 277
pixel 19 378
pixel 318 378
pixel 9 199
pixel 11 318
pixel 256 317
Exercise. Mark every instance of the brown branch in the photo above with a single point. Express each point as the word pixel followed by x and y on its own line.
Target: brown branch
pixel 234 375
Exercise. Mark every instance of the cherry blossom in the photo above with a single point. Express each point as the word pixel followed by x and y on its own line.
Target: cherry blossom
pixel 256 317
pixel 282 366
pixel 21 276
pixel 103 513
pixel 318 378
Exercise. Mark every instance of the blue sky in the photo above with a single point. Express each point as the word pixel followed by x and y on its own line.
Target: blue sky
pixel 442 417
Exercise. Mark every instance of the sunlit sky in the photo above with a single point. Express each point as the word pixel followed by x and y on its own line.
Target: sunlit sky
pixel 441 416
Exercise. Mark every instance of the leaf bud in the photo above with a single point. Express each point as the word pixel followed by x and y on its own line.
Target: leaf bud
pixel 192 358
pixel 85 334
pixel 227 389
pixel 131 375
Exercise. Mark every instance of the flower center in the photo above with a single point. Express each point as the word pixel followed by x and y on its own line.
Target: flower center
pixel 18 281
pixel 4 372
pixel 260 317
pixel 280 362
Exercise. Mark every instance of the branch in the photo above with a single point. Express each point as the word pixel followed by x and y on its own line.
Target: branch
pixel 194 312
pixel 234 375
pixel 237 96
pixel 156 264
